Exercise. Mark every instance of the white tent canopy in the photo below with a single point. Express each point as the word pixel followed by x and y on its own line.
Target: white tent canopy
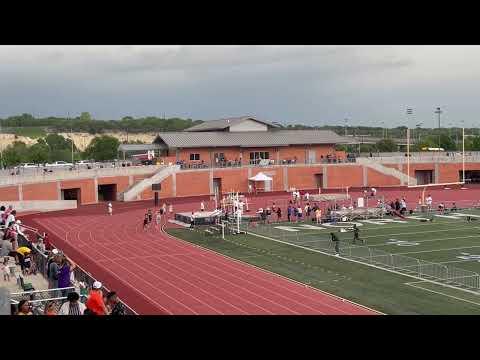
pixel 260 177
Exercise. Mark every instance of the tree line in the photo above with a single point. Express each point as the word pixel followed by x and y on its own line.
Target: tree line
pixel 85 123
pixel 55 147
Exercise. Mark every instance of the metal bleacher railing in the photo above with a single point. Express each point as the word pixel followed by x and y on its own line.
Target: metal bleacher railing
pixel 83 279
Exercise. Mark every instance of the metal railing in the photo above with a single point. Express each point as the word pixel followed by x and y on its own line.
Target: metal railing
pixel 83 278
pixel 38 175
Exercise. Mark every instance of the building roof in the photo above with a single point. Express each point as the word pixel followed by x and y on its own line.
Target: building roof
pixel 222 124
pixel 138 147
pixel 248 139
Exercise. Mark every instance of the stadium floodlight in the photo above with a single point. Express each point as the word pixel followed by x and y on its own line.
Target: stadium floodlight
pixel 438 112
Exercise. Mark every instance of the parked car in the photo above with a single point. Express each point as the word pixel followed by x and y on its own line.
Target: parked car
pixel 29 165
pixel 60 164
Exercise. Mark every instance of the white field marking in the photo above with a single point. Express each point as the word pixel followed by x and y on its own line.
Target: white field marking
pixel 447 216
pixel 465 215
pixel 362 263
pixel 418 232
pixel 416 218
pixel 299 228
pixel 440 293
pixel 373 228
pixel 442 239
pixel 384 221
pixel 457 261
pixel 428 251
pixel 342 224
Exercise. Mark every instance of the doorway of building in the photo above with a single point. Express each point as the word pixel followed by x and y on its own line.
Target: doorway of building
pixel 217 188
pixel 71 194
pixel 424 177
pixel 319 180
pixel 107 192
pixel 471 176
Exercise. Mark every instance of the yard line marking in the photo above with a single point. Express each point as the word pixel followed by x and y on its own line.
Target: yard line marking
pixel 362 263
pixel 440 293
pixel 441 239
pixel 427 251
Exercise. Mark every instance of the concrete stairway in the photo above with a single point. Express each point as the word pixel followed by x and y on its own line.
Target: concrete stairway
pixel 135 190
pixel 387 171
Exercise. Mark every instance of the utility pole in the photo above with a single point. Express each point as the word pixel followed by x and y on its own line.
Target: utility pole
pixel 346 121
pixel 438 112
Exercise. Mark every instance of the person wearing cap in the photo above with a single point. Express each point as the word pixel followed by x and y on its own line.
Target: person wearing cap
pixel 95 302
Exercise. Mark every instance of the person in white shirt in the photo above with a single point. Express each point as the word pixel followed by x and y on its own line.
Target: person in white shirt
pixel 110 209
pixel 73 306
pixel 11 218
pixel 374 191
pixel 202 206
pixel 19 229
pixel 429 201
pixel 307 196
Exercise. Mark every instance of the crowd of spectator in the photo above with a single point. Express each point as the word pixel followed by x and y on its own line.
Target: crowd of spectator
pixel 59 272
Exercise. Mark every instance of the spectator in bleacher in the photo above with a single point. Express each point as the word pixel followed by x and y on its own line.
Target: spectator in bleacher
pixel 114 305
pixel 50 309
pixel 95 302
pixel 41 245
pixel 52 271
pixel 5 269
pixel 21 252
pixel 11 218
pixel 72 306
pixel 24 308
pixel 202 206
pixel 6 248
pixel 2 212
pixel 64 273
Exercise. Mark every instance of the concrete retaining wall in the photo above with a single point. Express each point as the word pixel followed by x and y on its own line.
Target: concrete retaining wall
pixel 42 205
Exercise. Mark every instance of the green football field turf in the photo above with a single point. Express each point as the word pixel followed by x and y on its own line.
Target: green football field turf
pixel 441 258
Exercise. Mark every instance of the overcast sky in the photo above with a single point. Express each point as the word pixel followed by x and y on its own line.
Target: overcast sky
pixel 315 85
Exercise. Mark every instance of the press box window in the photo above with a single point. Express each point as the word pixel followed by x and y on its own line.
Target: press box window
pixel 194 156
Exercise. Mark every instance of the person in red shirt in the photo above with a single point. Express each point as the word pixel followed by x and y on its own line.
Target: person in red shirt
pixel 95 302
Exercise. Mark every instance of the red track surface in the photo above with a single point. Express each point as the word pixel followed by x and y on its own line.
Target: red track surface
pixel 158 274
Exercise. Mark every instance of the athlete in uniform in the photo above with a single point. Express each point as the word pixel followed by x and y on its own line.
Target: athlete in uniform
pixel 336 241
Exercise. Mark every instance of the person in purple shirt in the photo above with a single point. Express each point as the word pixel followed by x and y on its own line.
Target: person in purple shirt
pixel 64 273
pixel 289 212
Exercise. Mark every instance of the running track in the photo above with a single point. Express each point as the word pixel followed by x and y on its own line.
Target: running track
pixel 155 273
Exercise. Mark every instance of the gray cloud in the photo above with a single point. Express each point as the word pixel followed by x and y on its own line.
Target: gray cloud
pixel 307 84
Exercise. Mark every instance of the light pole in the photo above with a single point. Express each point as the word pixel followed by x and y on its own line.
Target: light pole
pixel 418 126
pixel 438 112
pixel 409 115
pixel 346 122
